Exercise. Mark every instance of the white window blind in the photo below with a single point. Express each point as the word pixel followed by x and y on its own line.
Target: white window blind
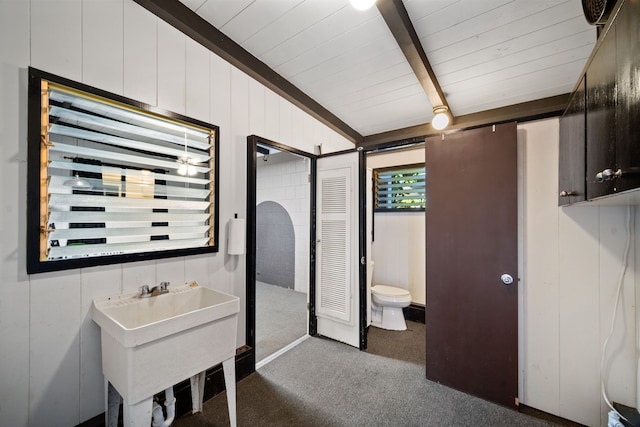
pixel 400 187
pixel 117 180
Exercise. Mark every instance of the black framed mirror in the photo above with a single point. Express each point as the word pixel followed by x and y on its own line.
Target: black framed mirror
pixel 113 180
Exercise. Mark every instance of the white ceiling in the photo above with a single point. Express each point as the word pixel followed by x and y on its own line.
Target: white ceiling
pixel 485 53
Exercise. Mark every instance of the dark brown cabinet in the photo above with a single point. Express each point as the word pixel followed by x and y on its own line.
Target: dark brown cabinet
pixel 628 99
pixel 572 153
pixel 601 117
pixel 604 113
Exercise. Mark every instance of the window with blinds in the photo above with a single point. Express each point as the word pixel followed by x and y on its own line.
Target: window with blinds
pixel 400 188
pixel 115 182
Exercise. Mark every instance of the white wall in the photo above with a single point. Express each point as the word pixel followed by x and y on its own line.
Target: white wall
pixel 570 262
pixel 50 372
pixel 399 246
pixel 284 179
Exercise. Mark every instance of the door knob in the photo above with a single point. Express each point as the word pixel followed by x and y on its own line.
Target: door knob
pixel 506 279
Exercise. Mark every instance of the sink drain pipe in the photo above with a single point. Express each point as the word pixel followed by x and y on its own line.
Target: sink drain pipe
pixel 158 416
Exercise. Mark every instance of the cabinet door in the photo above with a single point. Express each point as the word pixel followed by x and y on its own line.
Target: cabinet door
pixel 571 183
pixel 628 111
pixel 601 116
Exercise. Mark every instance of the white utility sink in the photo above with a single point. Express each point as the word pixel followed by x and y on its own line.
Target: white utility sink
pixel 151 344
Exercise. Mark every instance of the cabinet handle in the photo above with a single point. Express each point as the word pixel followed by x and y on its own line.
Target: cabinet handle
pixel 608 175
pixel 567 193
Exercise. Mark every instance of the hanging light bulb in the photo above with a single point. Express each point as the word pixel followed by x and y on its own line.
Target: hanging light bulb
pixel 441 117
pixel 362 4
pixel 77 182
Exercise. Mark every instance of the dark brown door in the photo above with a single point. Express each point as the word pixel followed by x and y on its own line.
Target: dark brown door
pixel 471 315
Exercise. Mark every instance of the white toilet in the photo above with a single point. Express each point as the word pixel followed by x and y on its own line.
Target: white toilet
pixel 387 303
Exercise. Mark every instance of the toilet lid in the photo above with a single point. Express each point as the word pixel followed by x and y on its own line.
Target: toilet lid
pixel 389 290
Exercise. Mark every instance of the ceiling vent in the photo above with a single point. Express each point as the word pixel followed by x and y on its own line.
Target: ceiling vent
pixel 597 11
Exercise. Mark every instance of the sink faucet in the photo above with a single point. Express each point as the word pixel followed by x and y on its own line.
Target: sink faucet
pixel 146 292
pixel 160 289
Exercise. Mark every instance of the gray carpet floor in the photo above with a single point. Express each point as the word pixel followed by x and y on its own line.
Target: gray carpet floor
pixel 281 318
pixel 325 383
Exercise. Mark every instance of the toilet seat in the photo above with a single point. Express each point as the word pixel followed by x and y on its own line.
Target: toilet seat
pixel 390 296
pixel 391 291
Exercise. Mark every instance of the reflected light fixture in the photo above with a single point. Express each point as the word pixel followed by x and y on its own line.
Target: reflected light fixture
pixel 441 117
pixel 182 169
pixel 186 167
pixel 185 162
pixel 77 182
pixel 362 4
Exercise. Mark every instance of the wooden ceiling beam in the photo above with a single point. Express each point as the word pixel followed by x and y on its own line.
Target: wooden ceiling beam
pixel 525 111
pixel 395 15
pixel 185 20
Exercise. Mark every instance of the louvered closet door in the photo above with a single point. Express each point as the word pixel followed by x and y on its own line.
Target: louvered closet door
pixel 334 242
pixel 337 248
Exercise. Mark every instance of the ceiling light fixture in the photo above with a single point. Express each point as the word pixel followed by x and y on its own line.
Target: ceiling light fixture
pixel 362 4
pixel 441 117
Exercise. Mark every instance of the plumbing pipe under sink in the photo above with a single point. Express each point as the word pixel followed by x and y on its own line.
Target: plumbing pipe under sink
pixel 158 416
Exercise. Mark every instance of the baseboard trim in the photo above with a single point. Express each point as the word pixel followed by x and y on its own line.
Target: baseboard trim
pixel 537 413
pixel 282 351
pixel 415 313
pixel 214 385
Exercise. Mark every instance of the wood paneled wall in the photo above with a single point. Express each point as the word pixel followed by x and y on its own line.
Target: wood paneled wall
pixel 49 346
pixel 50 364
pixel 570 262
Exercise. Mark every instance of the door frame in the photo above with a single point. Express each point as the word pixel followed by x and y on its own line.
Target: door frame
pixel 363 219
pixel 250 271
pixel 390 145
pixel 250 306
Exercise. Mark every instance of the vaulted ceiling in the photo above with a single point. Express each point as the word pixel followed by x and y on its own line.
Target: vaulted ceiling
pixel 376 75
